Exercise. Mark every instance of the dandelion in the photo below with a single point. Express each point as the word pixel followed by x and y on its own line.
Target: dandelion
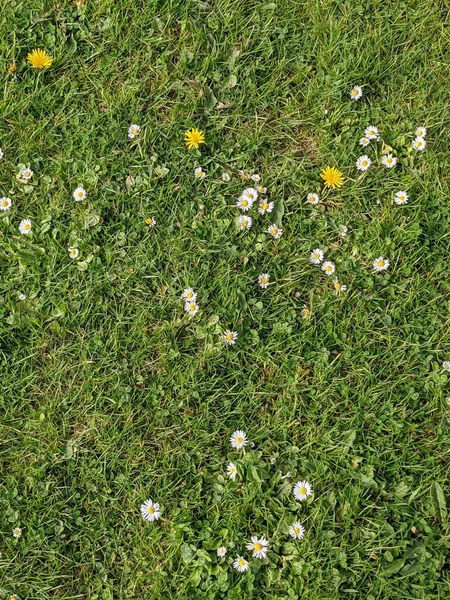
pixel 306 313
pixel 363 163
pixel 259 547
pixel 371 133
pixel 356 92
pixel 199 173
pixel 446 365
pixel 265 207
pixel 332 177
pixel 338 287
pixel 150 511
pixel 302 489
pixel 342 230
pixel 388 160
pixel 191 307
pixel 79 194
pixel 221 551
pixel 226 176
pixel 380 264
pixel 312 198
pixel 263 280
pixel 316 256
pixel 73 252
pixel 240 564
pixel 419 144
pixel 328 267
pixel 251 194
pixel 244 222
pixel 364 141
pixel 26 174
pixel 238 439
pixel 232 471
pixel 151 221
pixel 261 190
pixel 189 294
pixel 401 198
pixel 255 177
pixel 5 203
pixel 229 337
pixel 244 203
pixel 421 132
pixel 193 138
pixel 275 231
pixel 25 226
pixel 39 59
pixel 133 131
pixel 296 531
pixel 17 532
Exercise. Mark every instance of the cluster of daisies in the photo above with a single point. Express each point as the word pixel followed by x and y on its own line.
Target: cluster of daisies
pixel 189 297
pixel 317 257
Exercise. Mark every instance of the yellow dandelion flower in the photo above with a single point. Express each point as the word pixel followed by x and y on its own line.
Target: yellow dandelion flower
pixel 332 177
pixel 39 59
pixel 193 138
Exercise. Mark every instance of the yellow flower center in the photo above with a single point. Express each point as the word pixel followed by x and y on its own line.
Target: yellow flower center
pixel 27 226
pixel 296 530
pixel 265 206
pixel 364 163
pixel 328 268
pixel 303 491
pixel 241 562
pixel 189 295
pixel 389 160
pixel 233 469
pixel 337 286
pixel 151 510
pixel 244 222
pixel 239 440
pixel 229 336
pixel 381 263
pixel 191 307
pixel 244 202
pixel 264 280
pixel 257 546
pixel 4 203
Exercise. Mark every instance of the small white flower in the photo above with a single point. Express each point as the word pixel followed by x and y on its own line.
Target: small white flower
pixel 421 132
pixel 221 552
pixel 25 226
pixel 302 489
pixel 232 471
pixel 251 194
pixel 343 230
pixel 226 176
pixel 328 267
pixel 446 365
pixel 275 231
pixel 316 256
pixel 73 252
pixel 191 307
pixel 133 131
pixel 150 510
pixel 261 190
pixel 259 547
pixel 244 222
pixel 356 92
pixel 26 174
pixel 265 206
pixel 312 198
pixel 419 144
pixel 240 564
pixel 13 597
pixel 5 203
pixel 1 153
pixel 199 173
pixel 388 160
pixel 255 177
pixel 189 294
pixel 22 297
pixel 380 264
pixel 306 313
pixel 296 530
pixel 363 163
pixel 263 280
pixel 17 532
pixel 371 132
pixel 338 287
pixel 151 222
pixel 229 337
pixel 238 439
pixel 79 194
pixel 364 141
pixel 401 198
pixel 244 203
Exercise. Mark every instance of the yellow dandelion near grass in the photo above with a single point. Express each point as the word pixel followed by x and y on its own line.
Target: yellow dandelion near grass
pixel 332 177
pixel 193 138
pixel 39 59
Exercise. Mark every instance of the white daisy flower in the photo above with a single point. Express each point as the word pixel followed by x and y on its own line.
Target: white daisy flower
pixel 263 280
pixel 244 203
pixel 363 163
pixel 1 153
pixel 79 194
pixel 446 365
pixel 17 532
pixel 421 132
pixel 265 206
pixel 229 337
pixel 5 203
pixel 371 132
pixel 151 222
pixel 306 313
pixel 226 176
pixel 275 231
pixel 343 230
pixel 259 547
pixel 356 92
pixel 25 226
pixel 328 267
pixel 312 198
pixel 255 177
pixel 189 294
pixel 13 597
pixel 73 252
pixel 261 190
pixel 232 471
pixel 133 131
pixel 380 264
pixel 200 173
pixel 419 144
pixel 244 222
pixel 302 489
pixel 338 287
pixel 240 564
pixel 388 160
pixel 401 198
pixel 221 551
pixel 22 297
pixel 296 531
pixel 316 256
pixel 364 141
pixel 26 174
pixel 191 307
pixel 150 510
pixel 238 439
pixel 251 194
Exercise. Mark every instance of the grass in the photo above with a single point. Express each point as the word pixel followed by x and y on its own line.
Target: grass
pixel 111 396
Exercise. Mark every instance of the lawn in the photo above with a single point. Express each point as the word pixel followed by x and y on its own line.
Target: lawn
pixel 112 394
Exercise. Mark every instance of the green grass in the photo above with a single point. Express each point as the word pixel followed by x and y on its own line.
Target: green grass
pixel 111 396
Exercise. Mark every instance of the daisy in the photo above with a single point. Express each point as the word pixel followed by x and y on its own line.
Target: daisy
pixel 240 564
pixel 193 138
pixel 259 547
pixel 338 287
pixel 328 267
pixel 419 144
pixel 244 222
pixel 189 294
pixel 22 297
pixel 25 226
pixel 364 141
pixel 380 264
pixel 302 489
pixel 17 532
pixel 221 551
pixel 229 337
pixel 388 160
pixel 261 190
pixel 151 221
pixel 150 510
pixel 263 280
pixel 79 194
pixel 244 203
pixel 312 198
pixel 232 471
pixel 133 131
pixel 199 173
pixel 342 230
pixel 245 176
pixel 238 440
pixel 446 365
pixel 306 313
pixel 73 252
pixel 296 530
pixel 421 132
pixel 401 198
pixel 275 231
pixel 316 256
pixel 39 59
pixel 363 163
pixel 356 92
pixel 265 207
pixel 371 133
pixel 26 174
pixel 13 597
pixel 226 176
pixel 191 307
pixel 332 177
pixel 5 203
pixel 251 194
pixel 255 177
